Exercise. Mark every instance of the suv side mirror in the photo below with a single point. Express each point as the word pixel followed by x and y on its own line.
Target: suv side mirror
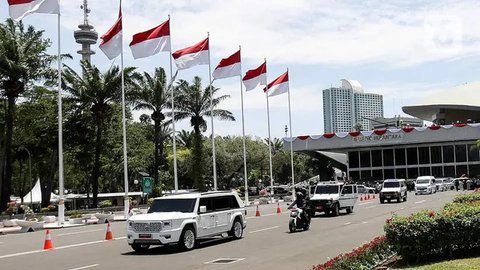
pixel 203 209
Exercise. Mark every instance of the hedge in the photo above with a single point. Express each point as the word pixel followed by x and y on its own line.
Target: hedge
pixel 454 229
pixel 367 256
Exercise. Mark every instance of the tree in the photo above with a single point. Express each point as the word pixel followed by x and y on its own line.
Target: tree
pixel 185 138
pixel 193 102
pixel 96 92
pixel 152 95
pixel 23 61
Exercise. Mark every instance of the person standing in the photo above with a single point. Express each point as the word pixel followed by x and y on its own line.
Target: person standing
pixel 457 183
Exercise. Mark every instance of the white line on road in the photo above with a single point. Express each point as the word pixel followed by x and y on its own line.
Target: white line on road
pixel 422 201
pixel 364 222
pixel 266 229
pixel 347 223
pixel 85 267
pixel 364 203
pixel 62 247
pixel 72 233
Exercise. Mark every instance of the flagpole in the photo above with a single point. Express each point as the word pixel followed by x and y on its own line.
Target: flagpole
pixel 61 187
pixel 211 117
pixel 124 131
pixel 175 177
pixel 269 137
pixel 291 141
pixel 245 175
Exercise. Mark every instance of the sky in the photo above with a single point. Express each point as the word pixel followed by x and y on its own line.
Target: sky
pixel 406 51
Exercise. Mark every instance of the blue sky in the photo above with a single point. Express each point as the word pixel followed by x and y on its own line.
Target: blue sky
pixel 405 51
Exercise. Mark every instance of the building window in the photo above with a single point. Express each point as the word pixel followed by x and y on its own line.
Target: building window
pixel 364 159
pixel 449 171
pixel 461 170
pixel 436 154
pixel 412 158
pixel 425 171
pixel 474 170
pixel 460 153
pixel 412 173
pixel 448 154
pixel 353 159
pixel 424 155
pixel 401 173
pixel 473 153
pixel 377 158
pixel 366 175
pixel 377 174
pixel 437 171
pixel 389 174
pixel 388 157
pixel 355 175
pixel 400 156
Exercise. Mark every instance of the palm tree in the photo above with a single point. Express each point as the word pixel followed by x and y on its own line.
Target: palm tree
pixel 96 93
pixel 276 144
pixel 23 60
pixel 152 95
pixel 185 138
pixel 194 102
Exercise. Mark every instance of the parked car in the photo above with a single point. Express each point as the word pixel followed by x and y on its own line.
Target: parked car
pixel 362 189
pixel 393 189
pixel 184 218
pixel 333 196
pixel 425 185
pixel 449 183
pixel 440 184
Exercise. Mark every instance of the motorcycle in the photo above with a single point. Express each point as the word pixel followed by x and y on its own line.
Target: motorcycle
pixel 297 222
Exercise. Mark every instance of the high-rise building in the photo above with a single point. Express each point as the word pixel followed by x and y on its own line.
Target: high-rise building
pixel 86 36
pixel 348 108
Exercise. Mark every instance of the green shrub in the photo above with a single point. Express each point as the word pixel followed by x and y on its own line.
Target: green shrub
pixel 454 229
pixel 105 203
pixel 467 198
pixel 367 256
pixel 73 214
pixel 44 210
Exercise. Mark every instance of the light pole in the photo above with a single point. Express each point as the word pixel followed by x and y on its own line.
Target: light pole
pixel 30 176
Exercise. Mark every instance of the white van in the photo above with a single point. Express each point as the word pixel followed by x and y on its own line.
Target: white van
pixel 425 185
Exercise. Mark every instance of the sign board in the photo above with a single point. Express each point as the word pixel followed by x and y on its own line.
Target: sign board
pixel 147 185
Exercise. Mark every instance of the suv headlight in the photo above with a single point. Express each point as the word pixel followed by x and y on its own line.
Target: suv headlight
pixel 167 224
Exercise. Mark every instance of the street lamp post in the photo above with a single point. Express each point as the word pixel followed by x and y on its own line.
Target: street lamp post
pixel 30 176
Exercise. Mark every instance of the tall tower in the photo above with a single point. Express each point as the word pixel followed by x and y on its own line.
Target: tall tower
pixel 86 35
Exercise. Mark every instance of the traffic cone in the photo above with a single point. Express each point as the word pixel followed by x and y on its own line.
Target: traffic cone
pixel 48 241
pixel 109 235
pixel 361 197
pixel 368 197
pixel 257 213
pixel 374 196
pixel 279 211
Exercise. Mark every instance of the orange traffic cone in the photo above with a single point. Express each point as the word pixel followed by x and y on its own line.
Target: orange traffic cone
pixel 257 213
pixel 109 235
pixel 361 197
pixel 48 241
pixel 279 211
pixel 368 197
pixel 374 196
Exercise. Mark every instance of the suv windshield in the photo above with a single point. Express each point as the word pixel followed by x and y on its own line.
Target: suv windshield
pixel 391 184
pixel 423 181
pixel 172 205
pixel 326 190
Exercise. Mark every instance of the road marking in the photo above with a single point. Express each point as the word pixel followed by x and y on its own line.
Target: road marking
pixel 85 267
pixel 373 206
pixel 347 223
pixel 62 247
pixel 364 222
pixel 72 233
pixel 422 201
pixel 266 229
pixel 364 203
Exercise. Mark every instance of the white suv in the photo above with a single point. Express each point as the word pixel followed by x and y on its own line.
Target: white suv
pixel 393 189
pixel 183 218
pixel 425 185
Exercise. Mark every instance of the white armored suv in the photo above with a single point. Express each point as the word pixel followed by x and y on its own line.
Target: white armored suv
pixel 330 197
pixel 184 218
pixel 393 189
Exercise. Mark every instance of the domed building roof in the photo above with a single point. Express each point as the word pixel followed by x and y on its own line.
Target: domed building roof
pixel 353 85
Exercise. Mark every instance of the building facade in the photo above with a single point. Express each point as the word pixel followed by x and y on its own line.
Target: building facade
pixel 348 107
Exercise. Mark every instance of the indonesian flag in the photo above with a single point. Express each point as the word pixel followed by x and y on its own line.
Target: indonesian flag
pixel 228 67
pixel 152 41
pixel 255 77
pixel 278 86
pixel 192 56
pixel 111 44
pixel 18 9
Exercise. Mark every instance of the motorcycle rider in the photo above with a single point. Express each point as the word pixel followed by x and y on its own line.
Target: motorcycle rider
pixel 301 203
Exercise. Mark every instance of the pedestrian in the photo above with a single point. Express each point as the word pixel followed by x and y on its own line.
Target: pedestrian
pixel 464 184
pixel 457 183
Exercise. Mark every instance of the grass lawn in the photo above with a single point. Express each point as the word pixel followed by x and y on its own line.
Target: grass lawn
pixel 461 264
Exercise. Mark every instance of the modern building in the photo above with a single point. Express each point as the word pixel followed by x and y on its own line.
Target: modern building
pixel 347 108
pixel 86 36
pixel 447 150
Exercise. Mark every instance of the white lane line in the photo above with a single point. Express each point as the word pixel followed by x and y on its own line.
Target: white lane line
pixel 347 223
pixel 62 247
pixel 364 203
pixel 364 222
pixel 422 201
pixel 72 233
pixel 369 207
pixel 85 267
pixel 266 229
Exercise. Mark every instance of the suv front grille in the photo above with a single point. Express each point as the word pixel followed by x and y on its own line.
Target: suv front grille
pixel 147 226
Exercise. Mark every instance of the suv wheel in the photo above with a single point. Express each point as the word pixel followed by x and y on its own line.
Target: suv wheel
pixel 336 210
pixel 140 247
pixel 187 239
pixel 405 198
pixel 237 229
pixel 349 210
pixel 382 200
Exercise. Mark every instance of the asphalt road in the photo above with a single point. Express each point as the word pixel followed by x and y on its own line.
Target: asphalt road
pixel 266 244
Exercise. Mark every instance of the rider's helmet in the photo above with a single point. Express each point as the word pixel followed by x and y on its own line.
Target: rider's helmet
pixel 299 195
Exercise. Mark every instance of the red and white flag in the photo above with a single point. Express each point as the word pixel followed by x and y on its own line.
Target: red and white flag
pixel 228 67
pixel 192 56
pixel 278 86
pixel 111 44
pixel 18 9
pixel 255 77
pixel 152 41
